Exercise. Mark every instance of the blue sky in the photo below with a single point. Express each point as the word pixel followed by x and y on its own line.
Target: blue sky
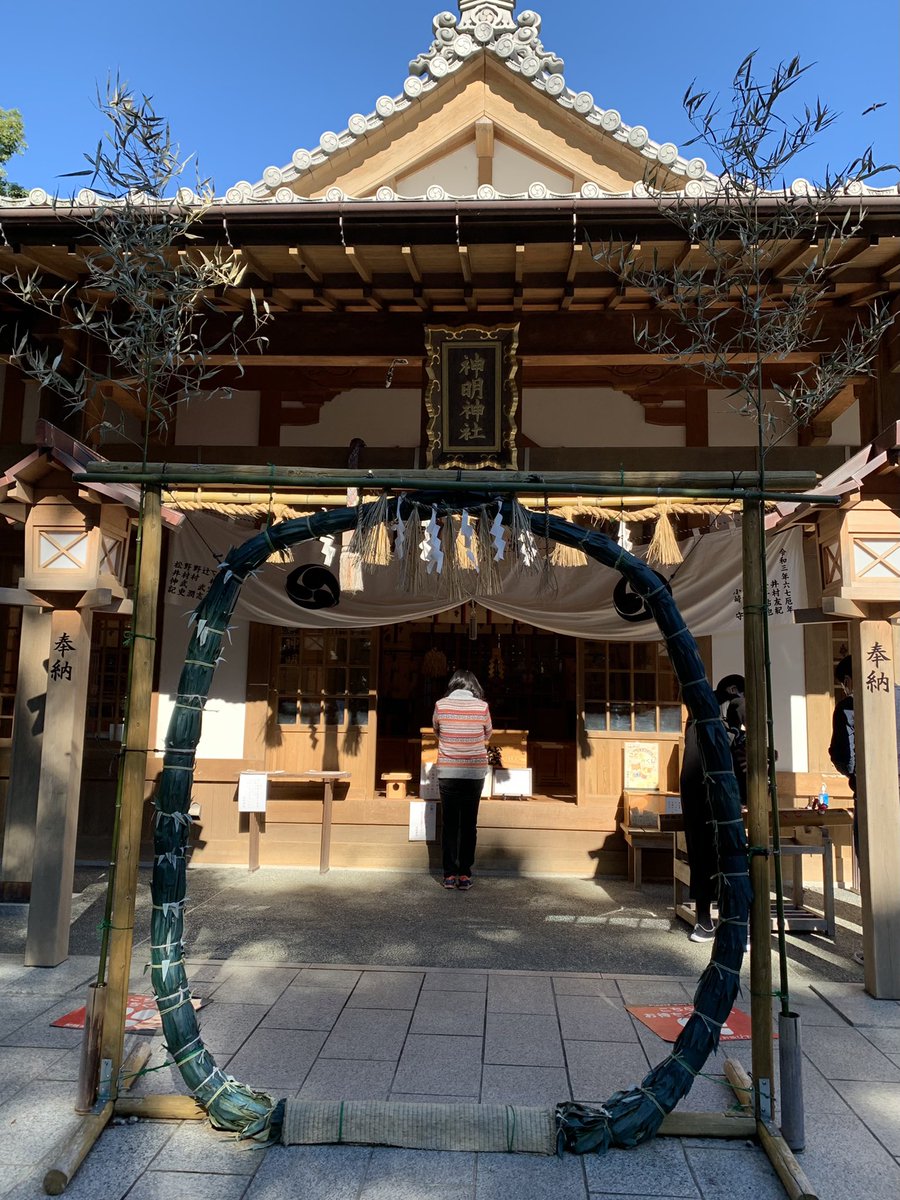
pixel 244 85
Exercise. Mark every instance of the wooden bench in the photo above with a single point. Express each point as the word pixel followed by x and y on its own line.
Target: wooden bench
pixel 395 784
pixel 638 840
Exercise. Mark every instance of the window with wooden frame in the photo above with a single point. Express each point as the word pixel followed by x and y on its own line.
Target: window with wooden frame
pixel 324 677
pixel 108 680
pixel 629 687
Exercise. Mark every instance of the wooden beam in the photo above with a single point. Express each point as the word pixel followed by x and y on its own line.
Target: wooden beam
pixel 13 406
pixel 466 268
pixel 39 257
pixel 484 148
pixel 303 263
pixel 520 270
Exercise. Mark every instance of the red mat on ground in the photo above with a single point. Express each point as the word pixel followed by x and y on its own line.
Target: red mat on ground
pixel 668 1020
pixel 141 1014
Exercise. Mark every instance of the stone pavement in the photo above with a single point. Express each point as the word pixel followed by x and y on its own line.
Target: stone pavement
pixel 334 1029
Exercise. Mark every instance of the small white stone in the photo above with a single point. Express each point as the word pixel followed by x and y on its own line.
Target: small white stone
pixel 555 85
pixel 530 66
pixel 334 195
pixel 436 192
pixel 591 190
pixel 234 195
pixel 285 195
pixel 505 47
pixel 358 124
pixel 329 141
pixel 438 66
pixel 801 187
pixel 86 198
pixel 639 190
pixel 272 177
pixel 487 191
pixel 385 106
pixel 667 153
pixel 637 136
pixel 538 191
pixel 302 160
pixel 611 120
pixel 695 189
pixel 37 196
pixel 385 193
pixel 696 168
pixel 412 87
pixel 583 103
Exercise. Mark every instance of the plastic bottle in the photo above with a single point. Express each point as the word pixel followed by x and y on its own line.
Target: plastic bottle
pixel 823 797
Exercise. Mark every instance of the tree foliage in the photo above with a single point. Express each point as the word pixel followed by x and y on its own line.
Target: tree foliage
pixel 12 142
pixel 730 303
pixel 144 307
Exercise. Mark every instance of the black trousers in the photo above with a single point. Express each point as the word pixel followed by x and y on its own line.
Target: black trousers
pixel 459 821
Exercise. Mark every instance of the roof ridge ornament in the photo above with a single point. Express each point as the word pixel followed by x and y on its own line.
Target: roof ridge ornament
pixel 498 14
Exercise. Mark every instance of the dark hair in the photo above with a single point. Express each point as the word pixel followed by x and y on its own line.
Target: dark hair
pixel 466 680
pixel 729 681
pixel 844 669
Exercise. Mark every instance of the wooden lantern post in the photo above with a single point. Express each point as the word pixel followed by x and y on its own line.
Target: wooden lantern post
pixel 75 556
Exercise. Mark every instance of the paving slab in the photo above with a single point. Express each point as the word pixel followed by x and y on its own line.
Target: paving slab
pixel 310 1172
pixel 656 1169
pixel 387 989
pixel 277 1058
pixel 34 1120
pixel 301 1007
pixel 225 1027
pixel 655 991
pixel 847 1162
pixel 524 1085
pixel 187 1185
pixel 598 1069
pixel 595 1018
pixel 76 972
pixel 367 1033
pixel 439 1065
pixel 20 1009
pixel 579 985
pixel 529 1177
pixel 857 1007
pixel 878 1107
pixel 333 978
pixel 19 1065
pixel 449 1012
pixel 845 1054
pixel 522 1040
pixel 745 1174
pixel 418 1175
pixel 455 981
pixel 194 1147
pixel 254 985
pixel 348 1079
pixel 528 994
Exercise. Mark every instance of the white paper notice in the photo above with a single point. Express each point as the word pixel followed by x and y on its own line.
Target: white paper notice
pixel 422 820
pixel 253 789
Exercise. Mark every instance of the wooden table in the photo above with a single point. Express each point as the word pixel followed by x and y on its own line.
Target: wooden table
pixel 328 779
pixel 638 839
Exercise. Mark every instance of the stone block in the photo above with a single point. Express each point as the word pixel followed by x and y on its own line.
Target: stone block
pixel 310 1172
pixel 856 1006
pixel 594 1018
pixel 277 1059
pixel 524 1040
pixel 187 1185
pixel 455 981
pixel 347 1079
pixel 658 1168
pixel 845 1054
pixel 845 1161
pixel 254 985
pixel 449 1012
pixel 584 985
pixel 529 1177
pixel 598 1069
pixel 387 989
pixel 367 1033
pixel 225 1027
pixel 878 1107
pixel 435 1065
pixel 740 1174
pixel 306 1008
pixel 418 1174
pixel 529 994
pixel 334 978
pixel 524 1085
pixel 195 1147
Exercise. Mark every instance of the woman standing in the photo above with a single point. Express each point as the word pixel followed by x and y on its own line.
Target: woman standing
pixel 462 723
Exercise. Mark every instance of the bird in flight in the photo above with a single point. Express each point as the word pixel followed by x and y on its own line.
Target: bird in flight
pixel 874 107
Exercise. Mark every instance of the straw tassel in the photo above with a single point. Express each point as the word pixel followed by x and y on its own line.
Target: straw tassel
pixel 371 540
pixel 663 548
pixel 489 583
pixel 350 572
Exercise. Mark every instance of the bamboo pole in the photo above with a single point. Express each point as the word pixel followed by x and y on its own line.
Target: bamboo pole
pixel 126 852
pixel 65 1159
pixel 755 599
pixel 696 484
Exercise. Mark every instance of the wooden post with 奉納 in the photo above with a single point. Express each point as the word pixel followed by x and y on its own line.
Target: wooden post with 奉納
pixel 127 851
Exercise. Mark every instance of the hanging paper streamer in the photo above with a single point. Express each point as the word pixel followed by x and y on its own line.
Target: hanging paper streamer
pixel 498 536
pixel 522 540
pixel 431 552
pixel 350 572
pixel 329 549
pixel 399 533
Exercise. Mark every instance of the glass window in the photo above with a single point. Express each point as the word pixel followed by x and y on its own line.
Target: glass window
pixel 630 687
pixel 108 681
pixel 324 677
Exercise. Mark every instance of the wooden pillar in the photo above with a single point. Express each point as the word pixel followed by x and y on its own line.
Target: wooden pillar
pixel 878 803
pixel 25 755
pixel 758 813
pixel 67 670
pixel 818 669
pixel 127 850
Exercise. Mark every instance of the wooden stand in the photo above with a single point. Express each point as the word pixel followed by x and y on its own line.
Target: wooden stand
pixel 396 782
pixel 639 840
pixel 328 779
